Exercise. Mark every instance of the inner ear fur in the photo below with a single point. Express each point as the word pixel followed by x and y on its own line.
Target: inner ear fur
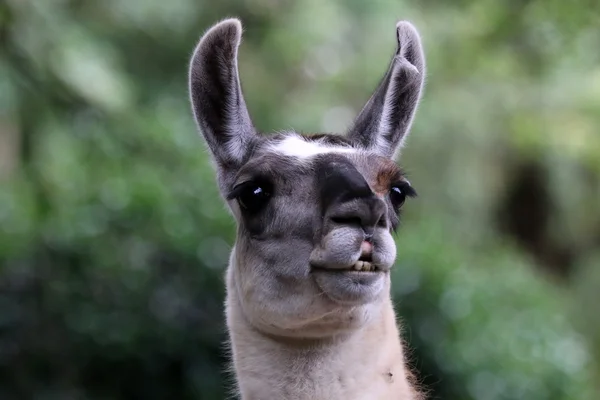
pixel 384 122
pixel 216 94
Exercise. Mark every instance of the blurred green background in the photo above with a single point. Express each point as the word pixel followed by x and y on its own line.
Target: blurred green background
pixel 113 240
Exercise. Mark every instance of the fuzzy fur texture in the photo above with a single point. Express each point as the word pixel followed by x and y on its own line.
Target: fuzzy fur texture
pixel 302 323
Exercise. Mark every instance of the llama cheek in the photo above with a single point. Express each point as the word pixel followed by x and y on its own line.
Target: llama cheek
pixel 385 250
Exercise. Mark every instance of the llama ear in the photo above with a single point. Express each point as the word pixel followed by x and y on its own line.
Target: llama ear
pixel 216 94
pixel 385 120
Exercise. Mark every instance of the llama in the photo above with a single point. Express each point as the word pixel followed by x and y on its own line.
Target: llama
pixel 308 306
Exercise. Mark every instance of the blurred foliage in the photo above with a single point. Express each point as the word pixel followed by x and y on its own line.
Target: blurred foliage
pixel 113 240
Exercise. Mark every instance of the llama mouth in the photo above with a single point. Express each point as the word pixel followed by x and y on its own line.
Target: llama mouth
pixel 365 266
pixel 353 285
pixel 358 266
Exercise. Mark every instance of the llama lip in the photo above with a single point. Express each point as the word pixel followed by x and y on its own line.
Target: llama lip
pixel 366 250
pixel 349 286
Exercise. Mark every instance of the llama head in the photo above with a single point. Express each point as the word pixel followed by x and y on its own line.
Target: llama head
pixel 315 214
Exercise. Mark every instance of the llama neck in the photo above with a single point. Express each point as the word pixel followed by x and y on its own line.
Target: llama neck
pixel 365 364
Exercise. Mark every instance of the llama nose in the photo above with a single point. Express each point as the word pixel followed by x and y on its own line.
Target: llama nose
pixel 348 199
pixel 366 213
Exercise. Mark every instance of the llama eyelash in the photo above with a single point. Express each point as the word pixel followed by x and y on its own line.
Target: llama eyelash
pixel 406 188
pixel 241 187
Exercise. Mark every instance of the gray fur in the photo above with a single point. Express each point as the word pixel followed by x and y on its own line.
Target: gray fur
pixel 329 194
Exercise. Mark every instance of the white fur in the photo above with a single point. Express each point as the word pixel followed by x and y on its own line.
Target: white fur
pixel 296 146
pixel 366 363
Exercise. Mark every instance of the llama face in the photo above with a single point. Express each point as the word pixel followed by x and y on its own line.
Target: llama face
pixel 315 214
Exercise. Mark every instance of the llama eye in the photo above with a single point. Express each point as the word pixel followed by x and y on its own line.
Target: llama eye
pixel 399 192
pixel 397 196
pixel 252 196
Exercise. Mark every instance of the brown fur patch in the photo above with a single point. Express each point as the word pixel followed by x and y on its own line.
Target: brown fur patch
pixel 388 173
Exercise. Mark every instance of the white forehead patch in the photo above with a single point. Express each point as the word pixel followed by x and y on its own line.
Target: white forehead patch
pixel 295 146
